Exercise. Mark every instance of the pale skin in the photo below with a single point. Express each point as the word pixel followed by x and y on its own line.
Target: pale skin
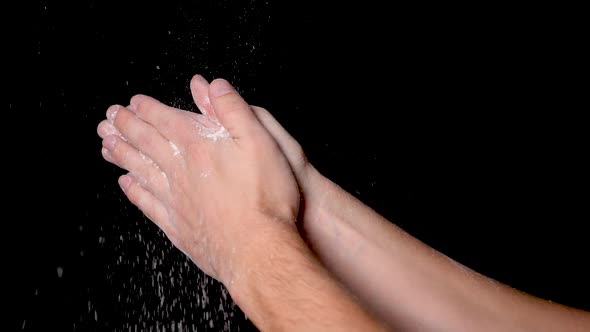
pixel 225 187
pixel 228 199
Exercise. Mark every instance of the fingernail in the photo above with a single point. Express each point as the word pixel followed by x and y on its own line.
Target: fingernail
pixel 199 78
pixel 124 182
pixel 106 129
pixel 221 87
pixel 106 154
pixel 112 113
pixel 109 142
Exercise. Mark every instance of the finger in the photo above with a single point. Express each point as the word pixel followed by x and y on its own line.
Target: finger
pixel 288 145
pixel 200 91
pixel 232 111
pixel 143 136
pixel 153 208
pixel 107 156
pixel 105 128
pixel 168 121
pixel 143 169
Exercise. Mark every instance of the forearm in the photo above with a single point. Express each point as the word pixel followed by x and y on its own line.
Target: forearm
pixel 409 284
pixel 281 286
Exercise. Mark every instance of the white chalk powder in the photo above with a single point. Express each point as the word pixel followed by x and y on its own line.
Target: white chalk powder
pixel 219 134
pixel 174 148
pixel 113 114
pixel 213 133
pixel 210 128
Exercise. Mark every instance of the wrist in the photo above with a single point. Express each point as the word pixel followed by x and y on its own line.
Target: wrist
pixel 322 197
pixel 278 243
pixel 280 285
pixel 254 248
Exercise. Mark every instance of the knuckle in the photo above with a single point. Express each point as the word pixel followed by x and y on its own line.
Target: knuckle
pixel 134 194
pixel 302 160
pixel 145 140
pixel 119 151
pixel 153 177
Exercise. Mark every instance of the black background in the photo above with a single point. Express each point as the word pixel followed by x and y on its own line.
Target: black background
pixel 458 124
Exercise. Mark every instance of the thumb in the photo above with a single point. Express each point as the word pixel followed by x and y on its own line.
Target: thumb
pixel 290 147
pixel 232 110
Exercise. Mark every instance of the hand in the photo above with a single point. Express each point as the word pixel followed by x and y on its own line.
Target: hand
pixel 210 181
pixel 315 189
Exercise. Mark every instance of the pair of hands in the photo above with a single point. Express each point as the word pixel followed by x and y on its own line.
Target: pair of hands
pixel 212 181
